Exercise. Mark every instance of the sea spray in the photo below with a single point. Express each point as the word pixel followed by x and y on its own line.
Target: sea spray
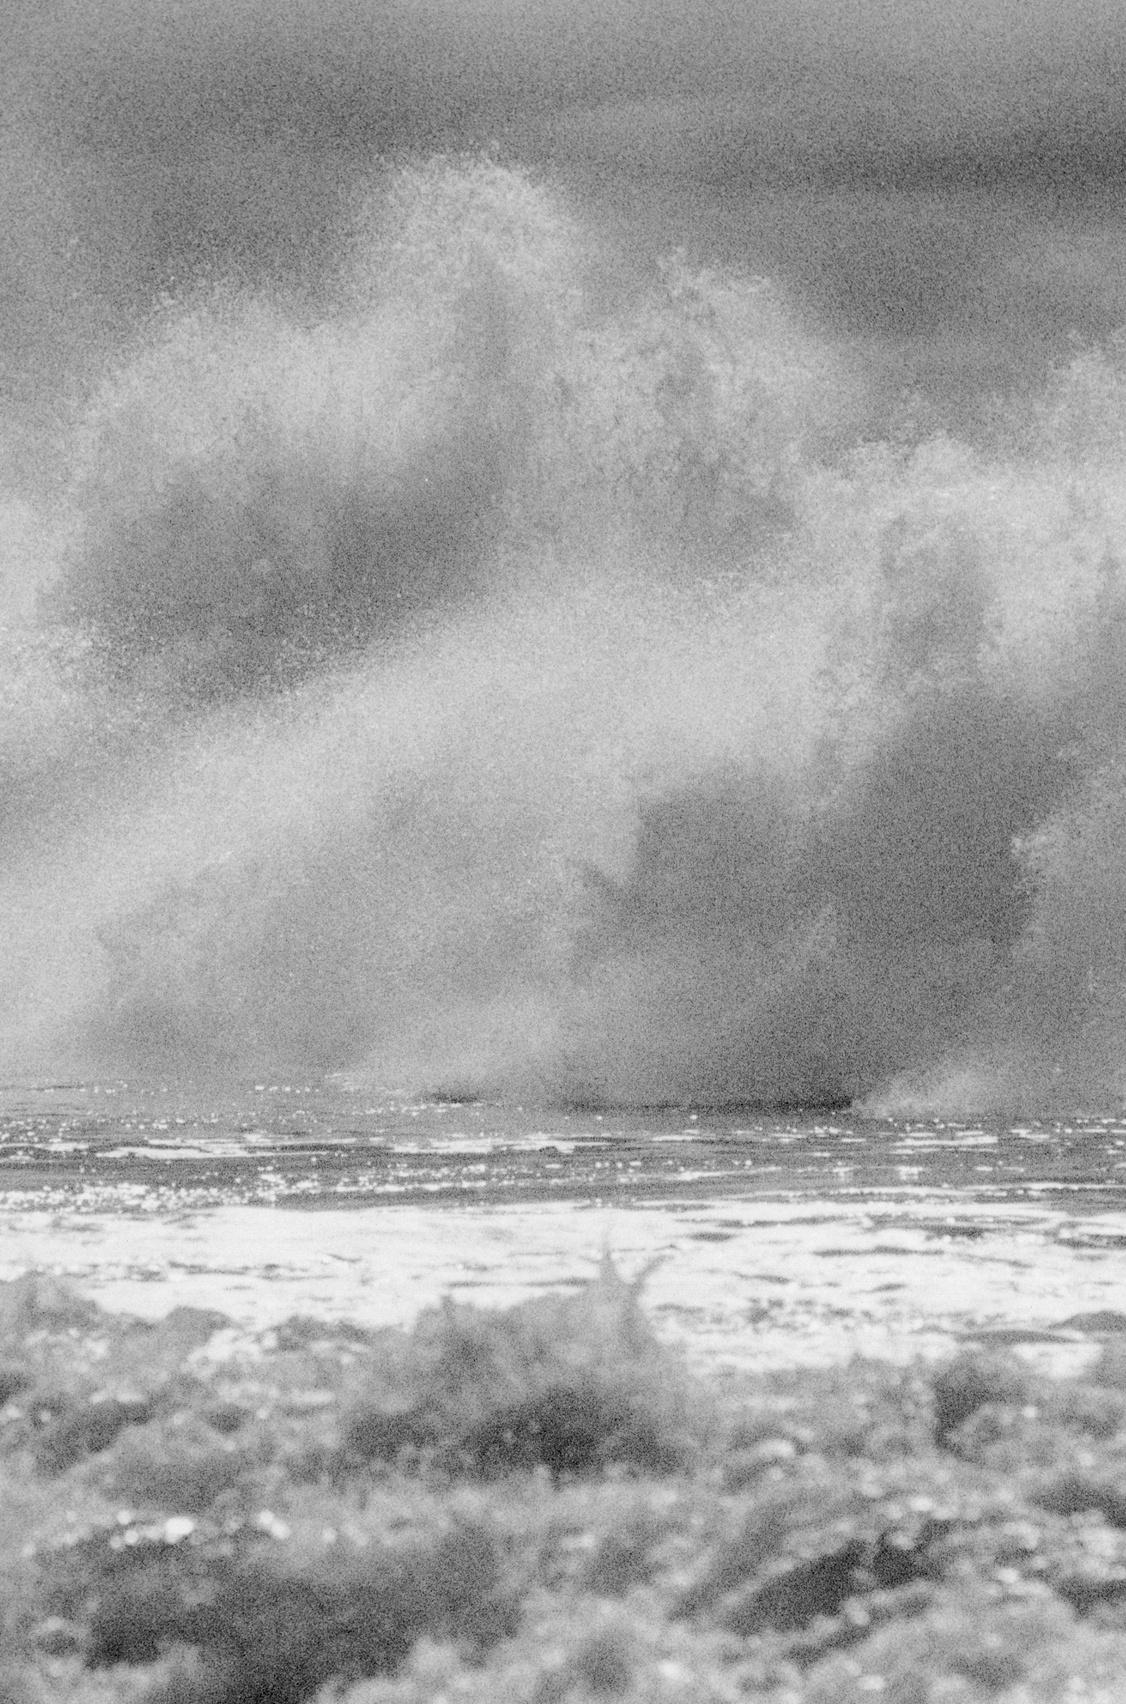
pixel 518 677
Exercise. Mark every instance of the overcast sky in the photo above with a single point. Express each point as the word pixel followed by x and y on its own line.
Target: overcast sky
pixel 888 89
pixel 942 180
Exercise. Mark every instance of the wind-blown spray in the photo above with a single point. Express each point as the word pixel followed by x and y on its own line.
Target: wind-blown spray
pixel 515 674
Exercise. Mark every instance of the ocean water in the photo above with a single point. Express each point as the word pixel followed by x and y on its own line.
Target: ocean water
pixel 92 1147
pixel 761 1240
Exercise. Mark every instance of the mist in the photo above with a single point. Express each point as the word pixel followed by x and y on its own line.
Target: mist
pixel 564 553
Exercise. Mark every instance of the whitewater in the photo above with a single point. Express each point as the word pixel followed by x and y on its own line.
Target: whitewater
pixel 508 676
pixel 760 1240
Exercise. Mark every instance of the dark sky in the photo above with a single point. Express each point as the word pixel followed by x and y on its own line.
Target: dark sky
pixel 943 184
pixel 887 89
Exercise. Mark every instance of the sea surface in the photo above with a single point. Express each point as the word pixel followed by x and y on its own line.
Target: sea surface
pixel 790 1237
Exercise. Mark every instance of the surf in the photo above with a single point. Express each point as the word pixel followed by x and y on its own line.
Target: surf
pixel 511 674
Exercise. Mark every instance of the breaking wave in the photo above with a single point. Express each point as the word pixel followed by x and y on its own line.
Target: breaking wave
pixel 518 671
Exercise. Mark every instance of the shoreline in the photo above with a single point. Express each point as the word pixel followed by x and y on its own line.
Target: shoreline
pixel 740 1284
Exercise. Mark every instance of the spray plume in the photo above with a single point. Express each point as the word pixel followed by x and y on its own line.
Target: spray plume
pixel 448 639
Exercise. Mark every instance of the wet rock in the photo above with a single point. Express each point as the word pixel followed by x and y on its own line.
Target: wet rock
pixel 1105 1320
pixel 971 1381
pixel 13 1379
pixel 37 1302
pixel 743 1467
pixel 192 1326
pixel 87 1427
